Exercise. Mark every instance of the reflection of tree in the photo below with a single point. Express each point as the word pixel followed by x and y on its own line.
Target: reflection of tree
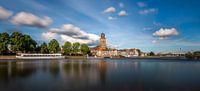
pixel 54 67
pixel 76 68
pixel 16 69
pixel 102 71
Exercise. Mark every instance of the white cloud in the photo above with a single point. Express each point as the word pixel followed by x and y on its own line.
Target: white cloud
pixel 111 18
pixel 110 10
pixel 28 19
pixel 121 5
pixel 122 13
pixel 164 33
pixel 148 11
pixel 48 35
pixel 141 4
pixel 4 14
pixel 71 33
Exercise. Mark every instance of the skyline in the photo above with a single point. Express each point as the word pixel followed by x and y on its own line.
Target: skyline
pixel 144 24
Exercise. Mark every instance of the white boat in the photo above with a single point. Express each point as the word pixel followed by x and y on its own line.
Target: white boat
pixel 40 56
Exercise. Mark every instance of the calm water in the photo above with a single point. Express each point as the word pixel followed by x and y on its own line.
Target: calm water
pixel 100 75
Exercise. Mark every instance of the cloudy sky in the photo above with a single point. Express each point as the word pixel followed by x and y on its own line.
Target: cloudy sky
pixel 150 25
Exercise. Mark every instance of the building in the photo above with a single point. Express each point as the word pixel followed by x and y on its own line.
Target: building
pixel 103 42
pixel 103 51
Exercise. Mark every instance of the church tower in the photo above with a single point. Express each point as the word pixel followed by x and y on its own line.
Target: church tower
pixel 103 42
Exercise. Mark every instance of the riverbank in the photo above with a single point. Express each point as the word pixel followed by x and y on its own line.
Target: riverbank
pixel 12 57
pixel 7 57
pixel 160 57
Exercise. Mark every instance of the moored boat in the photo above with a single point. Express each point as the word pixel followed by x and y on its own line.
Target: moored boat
pixel 40 56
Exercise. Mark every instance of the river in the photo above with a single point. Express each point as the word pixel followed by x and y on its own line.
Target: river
pixel 100 75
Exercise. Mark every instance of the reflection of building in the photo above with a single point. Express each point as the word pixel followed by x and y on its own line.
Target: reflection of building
pixel 103 51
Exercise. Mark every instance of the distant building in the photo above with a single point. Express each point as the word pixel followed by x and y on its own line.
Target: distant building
pixel 103 51
pixel 103 42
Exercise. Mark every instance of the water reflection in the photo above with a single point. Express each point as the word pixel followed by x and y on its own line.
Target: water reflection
pixel 99 75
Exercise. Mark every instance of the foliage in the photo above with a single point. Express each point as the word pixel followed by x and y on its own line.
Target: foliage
pixel 196 55
pixel 189 55
pixel 139 51
pixel 151 54
pixel 19 42
pixel 76 48
pixel 67 48
pixel 4 41
pixel 44 48
pixel 22 43
pixel 29 44
pixel 16 40
pixel 85 49
pixel 54 46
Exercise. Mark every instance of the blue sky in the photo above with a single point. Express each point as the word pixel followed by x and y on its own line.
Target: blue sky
pixel 150 25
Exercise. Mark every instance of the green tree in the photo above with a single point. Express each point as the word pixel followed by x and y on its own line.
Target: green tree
pixel 67 48
pixel 16 40
pixel 44 48
pixel 76 48
pixel 4 41
pixel 22 43
pixel 54 46
pixel 85 49
pixel 29 44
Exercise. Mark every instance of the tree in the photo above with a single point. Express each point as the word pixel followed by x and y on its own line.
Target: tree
pixel 44 48
pixel 76 48
pixel 139 52
pixel 67 48
pixel 189 55
pixel 22 43
pixel 4 41
pixel 196 54
pixel 16 40
pixel 54 46
pixel 29 44
pixel 151 54
pixel 85 49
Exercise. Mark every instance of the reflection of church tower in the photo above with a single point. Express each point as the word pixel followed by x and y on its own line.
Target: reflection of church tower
pixel 103 42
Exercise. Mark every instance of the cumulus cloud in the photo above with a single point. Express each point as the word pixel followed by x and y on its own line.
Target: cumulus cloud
pixel 71 33
pixel 122 13
pixel 4 14
pixel 141 4
pixel 28 19
pixel 164 33
pixel 110 10
pixel 148 11
pixel 48 35
pixel 121 5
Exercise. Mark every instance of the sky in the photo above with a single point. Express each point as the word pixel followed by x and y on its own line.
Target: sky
pixel 149 25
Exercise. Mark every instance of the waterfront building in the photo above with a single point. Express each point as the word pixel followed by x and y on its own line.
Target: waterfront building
pixel 103 51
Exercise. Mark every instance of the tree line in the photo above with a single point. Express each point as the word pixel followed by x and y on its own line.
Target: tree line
pixel 193 55
pixel 23 43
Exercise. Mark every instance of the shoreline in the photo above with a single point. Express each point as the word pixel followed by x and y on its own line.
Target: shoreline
pixel 7 57
pixel 13 57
